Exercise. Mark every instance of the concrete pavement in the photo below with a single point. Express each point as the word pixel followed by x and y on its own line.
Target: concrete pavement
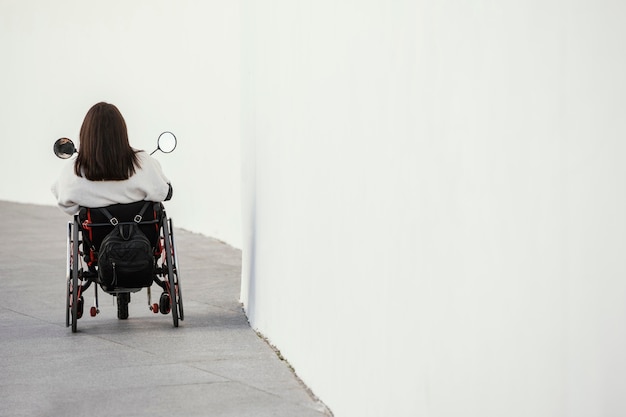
pixel 214 364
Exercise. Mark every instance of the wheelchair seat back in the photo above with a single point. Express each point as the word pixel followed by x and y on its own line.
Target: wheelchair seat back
pixel 95 224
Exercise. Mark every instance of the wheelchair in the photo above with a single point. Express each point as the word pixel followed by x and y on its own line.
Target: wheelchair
pixel 85 234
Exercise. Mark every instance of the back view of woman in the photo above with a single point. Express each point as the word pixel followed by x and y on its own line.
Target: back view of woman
pixel 107 169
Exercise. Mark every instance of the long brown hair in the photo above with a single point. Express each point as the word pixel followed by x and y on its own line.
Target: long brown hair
pixel 105 153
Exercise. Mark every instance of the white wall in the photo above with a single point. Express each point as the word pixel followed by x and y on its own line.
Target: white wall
pixel 434 202
pixel 167 65
pixel 432 191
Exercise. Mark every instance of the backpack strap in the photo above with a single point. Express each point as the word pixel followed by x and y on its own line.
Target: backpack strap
pixel 136 219
pixel 112 220
pixel 139 215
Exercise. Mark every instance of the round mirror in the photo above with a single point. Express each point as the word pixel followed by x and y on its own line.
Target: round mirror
pixel 64 148
pixel 166 142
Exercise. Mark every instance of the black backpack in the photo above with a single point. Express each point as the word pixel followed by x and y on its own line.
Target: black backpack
pixel 126 258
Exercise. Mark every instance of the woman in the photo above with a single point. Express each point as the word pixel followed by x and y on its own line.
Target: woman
pixel 108 170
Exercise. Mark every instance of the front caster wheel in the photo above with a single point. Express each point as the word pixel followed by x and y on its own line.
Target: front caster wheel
pixel 80 307
pixel 165 304
pixel 122 305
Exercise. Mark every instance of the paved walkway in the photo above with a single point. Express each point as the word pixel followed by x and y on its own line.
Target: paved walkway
pixel 214 364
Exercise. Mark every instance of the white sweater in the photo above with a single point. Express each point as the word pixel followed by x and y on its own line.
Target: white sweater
pixel 148 183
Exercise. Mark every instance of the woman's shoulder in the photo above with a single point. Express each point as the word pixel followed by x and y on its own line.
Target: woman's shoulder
pixel 143 156
pixel 68 168
pixel 146 161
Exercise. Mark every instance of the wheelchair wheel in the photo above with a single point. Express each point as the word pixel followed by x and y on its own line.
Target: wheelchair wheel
pixel 68 276
pixel 73 285
pixel 172 280
pixel 179 293
pixel 123 299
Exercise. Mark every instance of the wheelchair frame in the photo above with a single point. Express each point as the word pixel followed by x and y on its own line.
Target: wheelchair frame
pixel 166 275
